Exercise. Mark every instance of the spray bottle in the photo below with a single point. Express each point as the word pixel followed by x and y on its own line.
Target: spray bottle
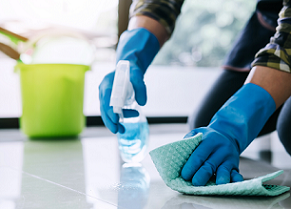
pixel 133 142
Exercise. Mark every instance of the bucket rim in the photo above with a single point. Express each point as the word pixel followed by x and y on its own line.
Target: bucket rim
pixel 19 64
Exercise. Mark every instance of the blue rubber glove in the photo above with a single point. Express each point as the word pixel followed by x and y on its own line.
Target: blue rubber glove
pixel 139 47
pixel 230 131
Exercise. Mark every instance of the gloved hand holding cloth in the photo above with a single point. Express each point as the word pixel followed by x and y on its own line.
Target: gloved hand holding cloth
pixel 231 130
pixel 210 155
pixel 206 161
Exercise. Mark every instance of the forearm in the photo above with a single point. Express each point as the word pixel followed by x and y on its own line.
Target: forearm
pixel 277 83
pixel 151 25
pixel 159 17
pixel 272 66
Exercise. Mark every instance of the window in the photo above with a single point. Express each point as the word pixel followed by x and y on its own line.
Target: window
pixel 205 32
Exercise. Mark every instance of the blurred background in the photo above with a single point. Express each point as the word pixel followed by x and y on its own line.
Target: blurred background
pixel 179 76
pixel 177 81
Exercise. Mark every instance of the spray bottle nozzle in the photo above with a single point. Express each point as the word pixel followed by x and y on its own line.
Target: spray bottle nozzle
pixel 122 89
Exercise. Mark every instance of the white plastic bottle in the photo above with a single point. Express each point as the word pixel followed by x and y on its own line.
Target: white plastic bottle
pixel 133 142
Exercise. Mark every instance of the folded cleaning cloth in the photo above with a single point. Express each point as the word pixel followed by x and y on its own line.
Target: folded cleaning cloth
pixel 226 202
pixel 170 159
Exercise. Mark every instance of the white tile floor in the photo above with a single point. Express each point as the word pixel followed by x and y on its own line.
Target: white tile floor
pixel 87 172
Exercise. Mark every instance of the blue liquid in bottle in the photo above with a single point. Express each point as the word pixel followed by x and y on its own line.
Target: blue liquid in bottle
pixel 134 141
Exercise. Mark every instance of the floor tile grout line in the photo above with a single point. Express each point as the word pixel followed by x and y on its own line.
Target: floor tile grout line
pixel 57 184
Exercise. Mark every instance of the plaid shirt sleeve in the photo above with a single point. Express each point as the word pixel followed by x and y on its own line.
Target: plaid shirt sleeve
pixel 277 54
pixel 164 11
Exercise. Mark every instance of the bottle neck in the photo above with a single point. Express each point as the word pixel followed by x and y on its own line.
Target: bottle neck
pixel 140 118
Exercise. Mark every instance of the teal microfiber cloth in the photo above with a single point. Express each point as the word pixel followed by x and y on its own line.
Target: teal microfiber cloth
pixel 226 202
pixel 170 159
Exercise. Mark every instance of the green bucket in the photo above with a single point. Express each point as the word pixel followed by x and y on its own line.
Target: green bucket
pixel 52 99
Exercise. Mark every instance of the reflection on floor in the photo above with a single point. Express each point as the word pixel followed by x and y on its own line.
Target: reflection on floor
pixel 87 172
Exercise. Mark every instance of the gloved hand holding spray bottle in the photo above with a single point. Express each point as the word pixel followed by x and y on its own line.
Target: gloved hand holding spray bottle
pixel 138 47
pixel 133 142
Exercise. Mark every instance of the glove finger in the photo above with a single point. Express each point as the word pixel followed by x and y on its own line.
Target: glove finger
pixel 107 82
pixel 109 118
pixel 136 78
pixel 197 158
pixel 107 121
pixel 223 173
pixel 130 113
pixel 209 168
pixel 236 176
pixel 203 175
pixel 121 128
pixel 105 101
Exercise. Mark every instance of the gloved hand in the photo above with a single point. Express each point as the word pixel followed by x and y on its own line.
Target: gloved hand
pixel 139 47
pixel 230 131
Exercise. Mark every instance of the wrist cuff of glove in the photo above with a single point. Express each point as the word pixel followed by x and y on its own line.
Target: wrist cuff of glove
pixel 139 46
pixel 243 116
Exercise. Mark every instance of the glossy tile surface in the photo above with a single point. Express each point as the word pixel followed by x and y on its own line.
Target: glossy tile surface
pixel 87 172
